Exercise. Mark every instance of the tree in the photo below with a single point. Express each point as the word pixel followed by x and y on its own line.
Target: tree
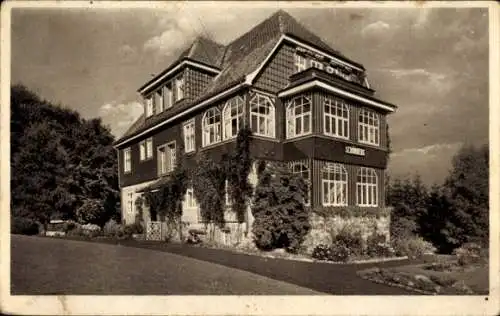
pixel 281 218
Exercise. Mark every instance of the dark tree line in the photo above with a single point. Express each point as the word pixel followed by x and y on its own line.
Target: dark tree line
pixel 62 165
pixel 450 214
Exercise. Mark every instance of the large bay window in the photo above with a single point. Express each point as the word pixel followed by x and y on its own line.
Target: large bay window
pixel 302 170
pixel 233 116
pixel 298 116
pixel 189 140
pixel 368 127
pixel 262 116
pixel 127 160
pixel 336 118
pixel 366 187
pixel 334 182
pixel 146 149
pixel 211 126
pixel 166 158
pixel 300 62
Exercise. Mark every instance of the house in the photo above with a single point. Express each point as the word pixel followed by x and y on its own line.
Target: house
pixel 306 103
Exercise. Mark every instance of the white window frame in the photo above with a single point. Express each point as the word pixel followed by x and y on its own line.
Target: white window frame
pixel 130 203
pixel 163 166
pixel 188 131
pixel 300 62
pixel 213 128
pixel 228 117
pixel 265 122
pixel 179 88
pixel 127 160
pixel 146 149
pixel 338 187
pixel 168 96
pixel 337 116
pixel 368 127
pixel 304 167
pixel 159 105
pixel 291 117
pixel 149 107
pixel 190 203
pixel 367 187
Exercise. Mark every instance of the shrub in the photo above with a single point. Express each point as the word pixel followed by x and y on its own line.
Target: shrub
pixel 322 252
pixel 112 229
pixel 350 237
pixel 377 246
pixel 413 247
pixel 339 251
pixel 69 226
pixel 443 280
pixel 132 229
pixel 24 226
pixel 91 230
pixel 469 253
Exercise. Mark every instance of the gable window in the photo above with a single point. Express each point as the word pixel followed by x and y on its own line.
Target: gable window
pixel 300 62
pixel 366 187
pixel 233 116
pixel 368 127
pixel 189 140
pixel 149 106
pixel 336 118
pixel 211 125
pixel 299 117
pixel 159 100
pixel 168 96
pixel 262 116
pixel 189 199
pixel 127 160
pixel 146 149
pixel 166 158
pixel 334 179
pixel 302 170
pixel 179 88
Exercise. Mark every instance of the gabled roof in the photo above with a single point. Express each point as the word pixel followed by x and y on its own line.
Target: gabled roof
pixel 238 59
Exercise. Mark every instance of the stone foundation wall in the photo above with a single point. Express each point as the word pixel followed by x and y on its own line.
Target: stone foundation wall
pixel 324 228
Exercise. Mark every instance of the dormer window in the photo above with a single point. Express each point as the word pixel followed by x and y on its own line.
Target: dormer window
pixel 168 97
pixel 179 88
pixel 300 62
pixel 149 106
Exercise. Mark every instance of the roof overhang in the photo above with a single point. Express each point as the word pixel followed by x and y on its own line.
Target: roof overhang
pixel 182 113
pixel 170 71
pixel 319 84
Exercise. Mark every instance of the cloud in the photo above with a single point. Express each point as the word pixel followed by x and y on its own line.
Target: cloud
pixel 119 116
pixel 375 28
pixel 428 150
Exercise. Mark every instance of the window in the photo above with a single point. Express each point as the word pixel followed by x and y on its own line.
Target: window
pixel 168 96
pixel 300 62
pixel 227 194
pixel 211 126
pixel 146 149
pixel 233 116
pixel 149 106
pixel 166 158
pixel 368 127
pixel 299 117
pixel 130 203
pixel 336 118
pixel 127 160
pixel 179 88
pixel 334 179
pixel 303 170
pixel 366 187
pixel 159 100
pixel 189 140
pixel 189 199
pixel 262 116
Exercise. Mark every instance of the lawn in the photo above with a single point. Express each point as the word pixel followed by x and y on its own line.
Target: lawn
pixel 48 266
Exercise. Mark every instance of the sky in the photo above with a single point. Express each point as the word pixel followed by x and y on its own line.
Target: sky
pixel 431 62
